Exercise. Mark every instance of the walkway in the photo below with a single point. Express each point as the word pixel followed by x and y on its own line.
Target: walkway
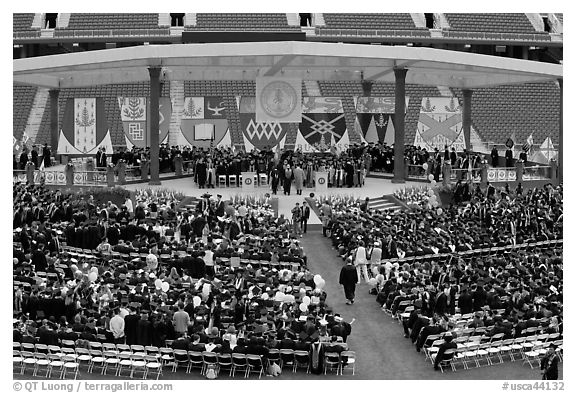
pixel 381 349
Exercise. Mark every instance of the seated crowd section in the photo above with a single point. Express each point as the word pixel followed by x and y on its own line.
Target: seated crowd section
pixel 485 276
pixel 149 287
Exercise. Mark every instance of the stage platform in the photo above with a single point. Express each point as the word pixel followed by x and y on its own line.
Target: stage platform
pixel 374 188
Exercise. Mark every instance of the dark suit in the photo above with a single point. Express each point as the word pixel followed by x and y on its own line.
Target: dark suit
pixel 305 218
pixel 131 328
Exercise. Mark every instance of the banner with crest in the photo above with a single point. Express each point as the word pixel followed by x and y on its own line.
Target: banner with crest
pixel 204 123
pixel 259 135
pixel 375 118
pixel 440 124
pixel 323 126
pixel 84 127
pixel 135 112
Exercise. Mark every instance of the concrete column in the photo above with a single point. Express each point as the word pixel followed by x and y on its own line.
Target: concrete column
pixel 467 117
pixel 561 136
pixel 154 125
pixel 400 110
pixel 53 94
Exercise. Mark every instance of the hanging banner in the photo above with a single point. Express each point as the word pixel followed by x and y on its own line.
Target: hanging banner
pixel 440 124
pixel 323 126
pixel 375 118
pixel 135 112
pixel 84 127
pixel 278 100
pixel 258 135
pixel 205 120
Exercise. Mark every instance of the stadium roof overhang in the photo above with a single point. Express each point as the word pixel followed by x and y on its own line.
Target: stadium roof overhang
pixel 306 60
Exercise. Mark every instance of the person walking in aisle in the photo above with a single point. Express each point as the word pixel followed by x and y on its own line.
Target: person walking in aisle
pixel 361 261
pixel 348 279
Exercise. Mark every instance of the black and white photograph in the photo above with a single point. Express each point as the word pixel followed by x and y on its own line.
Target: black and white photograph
pixel 319 197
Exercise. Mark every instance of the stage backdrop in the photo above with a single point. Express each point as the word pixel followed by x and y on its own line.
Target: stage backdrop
pixel 84 127
pixel 135 112
pixel 323 126
pixel 258 135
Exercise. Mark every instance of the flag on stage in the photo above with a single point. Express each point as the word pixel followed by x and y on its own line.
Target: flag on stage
pixel 511 141
pixel 278 100
pixel 529 143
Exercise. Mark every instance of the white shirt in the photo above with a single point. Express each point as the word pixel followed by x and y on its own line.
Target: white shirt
pixel 209 258
pixel 129 206
pixel 117 326
pixel 360 256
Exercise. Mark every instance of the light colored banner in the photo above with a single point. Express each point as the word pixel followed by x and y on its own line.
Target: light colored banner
pixel 278 100
pixel 321 181
pixel 440 124
pixel 85 124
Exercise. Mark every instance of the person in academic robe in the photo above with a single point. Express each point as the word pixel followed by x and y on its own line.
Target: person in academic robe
pixel 348 279
pixel 298 179
pixel 509 158
pixel 210 175
pixel 46 155
pixel 274 180
pixel 316 357
pixel 288 176
pixel 34 156
pixel 201 173
pixel 494 156
pixel 305 216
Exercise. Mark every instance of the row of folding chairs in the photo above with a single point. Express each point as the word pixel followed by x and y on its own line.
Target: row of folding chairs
pixel 479 252
pixel 476 354
pixel 233 363
pixel 59 364
pixel 230 180
pixel 345 360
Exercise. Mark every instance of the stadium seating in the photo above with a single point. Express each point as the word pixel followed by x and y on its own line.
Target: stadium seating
pixel 22 99
pixel 370 21
pixel 523 109
pixel 491 23
pixel 22 22
pixel 242 22
pixel 92 21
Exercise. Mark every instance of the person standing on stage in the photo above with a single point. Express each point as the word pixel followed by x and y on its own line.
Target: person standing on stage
pixel 298 179
pixel 348 279
pixel 305 216
pixel 288 176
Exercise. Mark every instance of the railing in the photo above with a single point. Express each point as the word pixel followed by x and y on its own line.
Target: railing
pixel 502 174
pixel 537 172
pixel 323 31
pixel 89 33
pixel 57 178
pixel 425 33
pixel 493 36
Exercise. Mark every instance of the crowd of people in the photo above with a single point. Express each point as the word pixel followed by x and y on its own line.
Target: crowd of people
pixel 489 219
pixel 506 292
pixel 224 277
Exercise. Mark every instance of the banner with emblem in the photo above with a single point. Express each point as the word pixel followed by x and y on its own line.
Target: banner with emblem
pixel 135 112
pixel 204 121
pixel 278 100
pixel 84 127
pixel 375 118
pixel 440 124
pixel 259 135
pixel 323 126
